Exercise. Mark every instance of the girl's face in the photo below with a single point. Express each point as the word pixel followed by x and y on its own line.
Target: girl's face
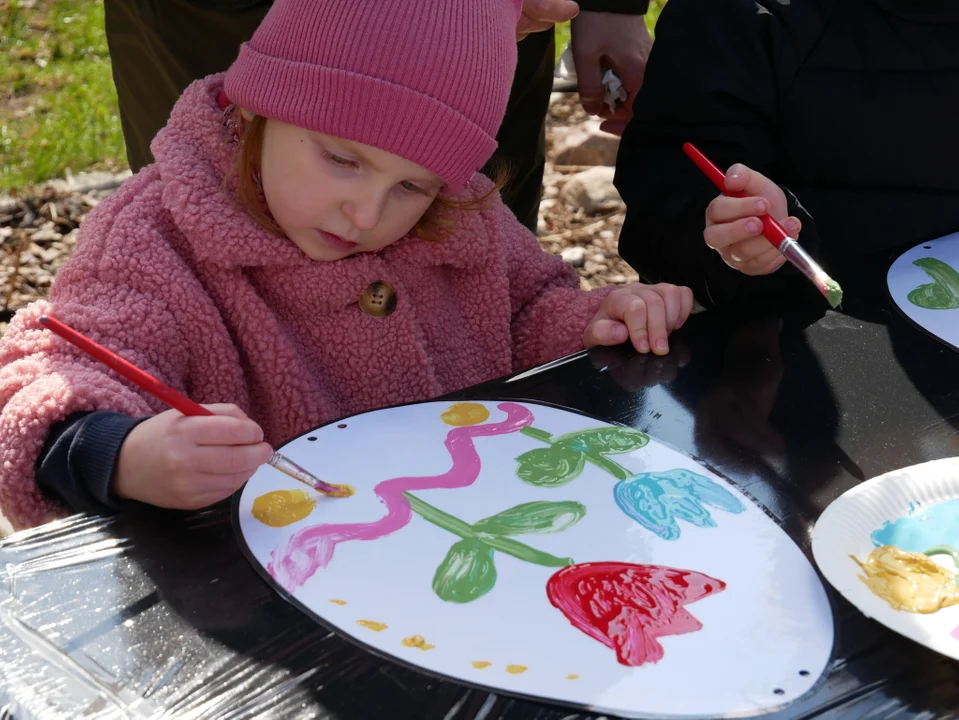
pixel 334 198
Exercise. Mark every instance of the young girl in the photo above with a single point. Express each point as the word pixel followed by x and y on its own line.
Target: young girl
pixel 313 241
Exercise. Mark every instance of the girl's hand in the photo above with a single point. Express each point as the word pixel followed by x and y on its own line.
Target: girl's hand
pixel 644 314
pixel 734 230
pixel 181 462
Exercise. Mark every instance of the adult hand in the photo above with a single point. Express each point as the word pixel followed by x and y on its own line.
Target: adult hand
pixel 189 462
pixel 539 15
pixel 609 41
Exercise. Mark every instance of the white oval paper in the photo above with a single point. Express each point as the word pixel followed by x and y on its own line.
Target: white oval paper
pixel 904 277
pixel 765 639
pixel 845 527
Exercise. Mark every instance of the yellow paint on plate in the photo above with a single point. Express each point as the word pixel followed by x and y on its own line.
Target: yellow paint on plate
pixel 908 581
pixel 344 491
pixel 372 625
pixel 417 641
pixel 283 507
pixel 516 669
pixel 481 664
pixel 338 602
pixel 465 413
pixel 572 676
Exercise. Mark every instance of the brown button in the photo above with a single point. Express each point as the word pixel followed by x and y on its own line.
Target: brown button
pixel 378 300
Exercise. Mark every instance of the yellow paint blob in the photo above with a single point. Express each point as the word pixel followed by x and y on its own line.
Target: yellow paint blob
pixel 372 625
pixel 908 581
pixel 283 507
pixel 343 491
pixel 481 664
pixel 465 413
pixel 338 602
pixel 516 669
pixel 572 676
pixel 417 641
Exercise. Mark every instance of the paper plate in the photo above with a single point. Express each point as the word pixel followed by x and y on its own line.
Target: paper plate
pixel 845 528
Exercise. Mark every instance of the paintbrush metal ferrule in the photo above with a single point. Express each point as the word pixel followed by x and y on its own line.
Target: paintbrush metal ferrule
pixel 288 467
pixel 794 253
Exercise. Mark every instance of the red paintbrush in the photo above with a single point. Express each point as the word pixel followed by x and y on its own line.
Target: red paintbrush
pixel 176 400
pixel 774 233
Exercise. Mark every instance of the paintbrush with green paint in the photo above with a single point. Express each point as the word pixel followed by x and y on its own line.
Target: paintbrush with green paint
pixel 774 233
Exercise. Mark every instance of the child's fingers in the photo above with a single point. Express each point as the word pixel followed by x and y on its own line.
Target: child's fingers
pixel 725 209
pixel 726 234
pixel 740 178
pixel 687 301
pixel 672 300
pixel 229 459
pixel 605 331
pixel 222 430
pixel 646 320
pixel 764 263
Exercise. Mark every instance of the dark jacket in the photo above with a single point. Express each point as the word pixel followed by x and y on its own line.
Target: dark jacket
pixel 850 104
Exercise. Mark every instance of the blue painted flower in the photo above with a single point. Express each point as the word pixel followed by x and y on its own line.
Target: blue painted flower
pixel 658 500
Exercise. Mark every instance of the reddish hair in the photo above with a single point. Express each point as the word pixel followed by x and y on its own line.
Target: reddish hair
pixel 438 222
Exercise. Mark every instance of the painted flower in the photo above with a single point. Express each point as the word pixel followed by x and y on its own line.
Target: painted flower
pixel 627 607
pixel 658 500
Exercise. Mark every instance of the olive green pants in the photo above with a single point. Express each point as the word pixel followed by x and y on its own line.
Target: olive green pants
pixel 158 47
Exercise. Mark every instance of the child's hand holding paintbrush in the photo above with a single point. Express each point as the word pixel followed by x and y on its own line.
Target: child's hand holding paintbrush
pixel 192 456
pixel 742 226
pixel 190 461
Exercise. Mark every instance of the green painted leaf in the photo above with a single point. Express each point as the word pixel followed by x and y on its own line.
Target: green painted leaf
pixel 532 517
pixel 606 440
pixel 943 292
pixel 550 467
pixel 466 573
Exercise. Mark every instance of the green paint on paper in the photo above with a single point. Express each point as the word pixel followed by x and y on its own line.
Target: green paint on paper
pixel 943 292
pixel 564 459
pixel 468 571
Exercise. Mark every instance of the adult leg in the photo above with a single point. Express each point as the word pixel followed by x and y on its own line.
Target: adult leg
pixel 522 137
pixel 159 47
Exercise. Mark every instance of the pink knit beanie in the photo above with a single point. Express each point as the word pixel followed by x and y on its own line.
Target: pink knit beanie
pixel 427 80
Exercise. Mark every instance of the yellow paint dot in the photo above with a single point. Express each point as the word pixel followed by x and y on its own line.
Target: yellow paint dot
pixel 372 625
pixel 516 669
pixel 465 413
pixel 338 602
pixel 417 641
pixel 344 491
pixel 481 664
pixel 572 676
pixel 283 507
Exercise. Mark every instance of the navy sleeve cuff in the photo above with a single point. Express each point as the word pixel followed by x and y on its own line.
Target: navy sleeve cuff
pixel 80 457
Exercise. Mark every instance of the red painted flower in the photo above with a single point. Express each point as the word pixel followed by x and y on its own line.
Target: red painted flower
pixel 627 606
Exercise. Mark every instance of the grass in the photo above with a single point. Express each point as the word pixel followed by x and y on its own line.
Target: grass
pixel 58 106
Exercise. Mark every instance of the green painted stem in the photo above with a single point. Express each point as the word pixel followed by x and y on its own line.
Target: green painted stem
pixel 541 435
pixel 597 458
pixel 458 527
pixel 610 466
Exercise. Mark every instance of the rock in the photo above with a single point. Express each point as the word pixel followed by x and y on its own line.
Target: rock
pixel 592 190
pixel 575 256
pixel 585 144
pixel 46 235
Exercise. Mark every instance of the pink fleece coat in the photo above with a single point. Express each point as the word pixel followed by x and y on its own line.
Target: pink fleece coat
pixel 172 275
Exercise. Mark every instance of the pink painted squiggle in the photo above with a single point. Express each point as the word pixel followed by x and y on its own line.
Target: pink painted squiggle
pixel 312 547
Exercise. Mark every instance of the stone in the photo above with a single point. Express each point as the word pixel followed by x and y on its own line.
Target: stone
pixel 585 144
pixel 592 190
pixel 575 256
